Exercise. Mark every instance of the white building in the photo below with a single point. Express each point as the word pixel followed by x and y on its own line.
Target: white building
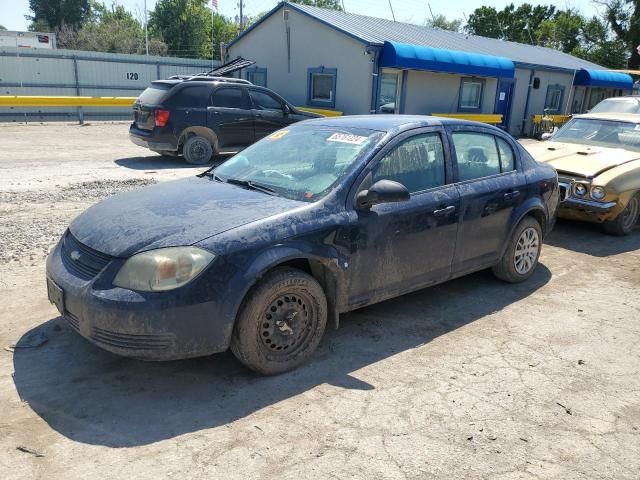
pixel 10 38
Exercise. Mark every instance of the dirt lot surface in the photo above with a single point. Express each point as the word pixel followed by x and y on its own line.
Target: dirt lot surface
pixel 469 379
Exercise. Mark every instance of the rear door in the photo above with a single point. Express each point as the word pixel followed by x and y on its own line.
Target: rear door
pixel 188 107
pixel 269 112
pixel 229 115
pixel 491 186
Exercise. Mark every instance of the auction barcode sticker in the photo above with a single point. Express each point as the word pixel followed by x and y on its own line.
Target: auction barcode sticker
pixel 346 138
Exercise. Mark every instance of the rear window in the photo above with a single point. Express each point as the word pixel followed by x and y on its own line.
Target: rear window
pixel 154 94
pixel 630 105
pixel 195 96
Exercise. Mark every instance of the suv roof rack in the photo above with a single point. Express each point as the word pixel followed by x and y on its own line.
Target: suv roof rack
pixel 203 77
pixel 216 75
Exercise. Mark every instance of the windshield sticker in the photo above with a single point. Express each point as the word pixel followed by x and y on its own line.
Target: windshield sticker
pixel 279 134
pixel 346 138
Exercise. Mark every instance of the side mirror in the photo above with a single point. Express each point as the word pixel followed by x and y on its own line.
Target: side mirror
pixel 383 191
pixel 285 109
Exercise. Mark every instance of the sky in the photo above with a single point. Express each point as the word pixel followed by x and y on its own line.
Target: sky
pixel 12 12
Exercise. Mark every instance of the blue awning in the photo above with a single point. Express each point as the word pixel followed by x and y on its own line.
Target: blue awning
pixel 418 57
pixel 603 78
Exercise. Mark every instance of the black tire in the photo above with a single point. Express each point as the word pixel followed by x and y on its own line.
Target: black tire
pixel 626 220
pixel 281 322
pixel 197 150
pixel 521 256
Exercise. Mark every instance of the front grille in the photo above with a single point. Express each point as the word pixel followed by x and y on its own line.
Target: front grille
pixel 82 261
pixel 565 190
pixel 131 341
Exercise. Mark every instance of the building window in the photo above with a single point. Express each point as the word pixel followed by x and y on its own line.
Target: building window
pixel 257 76
pixel 470 94
pixel 321 88
pixel 553 102
pixel 389 97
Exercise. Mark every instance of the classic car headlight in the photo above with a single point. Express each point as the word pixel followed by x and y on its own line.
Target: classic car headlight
pixel 162 269
pixel 580 189
pixel 597 193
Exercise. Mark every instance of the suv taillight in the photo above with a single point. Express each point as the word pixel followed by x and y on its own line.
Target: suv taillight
pixel 161 117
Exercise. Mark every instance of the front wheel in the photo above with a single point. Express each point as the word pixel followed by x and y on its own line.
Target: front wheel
pixel 521 256
pixel 624 223
pixel 197 150
pixel 281 322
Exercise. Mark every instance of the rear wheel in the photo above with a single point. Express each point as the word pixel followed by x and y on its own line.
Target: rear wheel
pixel 281 322
pixel 624 223
pixel 197 150
pixel 521 257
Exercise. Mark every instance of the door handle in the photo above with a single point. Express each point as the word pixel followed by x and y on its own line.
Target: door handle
pixel 511 195
pixel 259 115
pixel 444 211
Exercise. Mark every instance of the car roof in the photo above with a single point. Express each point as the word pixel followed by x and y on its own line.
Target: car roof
pixel 385 123
pixel 623 117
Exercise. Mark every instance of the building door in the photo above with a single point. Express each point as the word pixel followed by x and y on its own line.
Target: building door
pixel 503 100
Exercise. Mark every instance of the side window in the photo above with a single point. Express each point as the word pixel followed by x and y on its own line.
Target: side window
pixel 553 100
pixel 417 163
pixel 264 101
pixel 321 88
pixel 190 97
pixel 507 162
pixel 227 97
pixel 257 76
pixel 477 155
pixel 470 98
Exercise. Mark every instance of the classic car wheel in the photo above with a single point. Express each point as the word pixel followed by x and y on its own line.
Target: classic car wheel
pixel 521 257
pixel 281 322
pixel 197 150
pixel 624 223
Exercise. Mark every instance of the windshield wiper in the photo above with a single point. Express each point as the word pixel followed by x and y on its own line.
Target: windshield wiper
pixel 210 174
pixel 252 185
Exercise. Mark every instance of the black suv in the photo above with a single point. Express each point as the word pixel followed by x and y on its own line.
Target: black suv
pixel 202 116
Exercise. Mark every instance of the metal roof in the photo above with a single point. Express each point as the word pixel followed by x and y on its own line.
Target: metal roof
pixel 376 31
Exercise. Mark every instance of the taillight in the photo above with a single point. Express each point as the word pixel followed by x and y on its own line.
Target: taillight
pixel 161 117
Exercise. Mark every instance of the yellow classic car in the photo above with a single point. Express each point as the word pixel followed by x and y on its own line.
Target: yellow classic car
pixel 597 157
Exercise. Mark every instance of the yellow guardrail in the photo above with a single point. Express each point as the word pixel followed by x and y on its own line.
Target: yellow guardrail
pixel 557 119
pixel 39 101
pixel 321 111
pixel 490 118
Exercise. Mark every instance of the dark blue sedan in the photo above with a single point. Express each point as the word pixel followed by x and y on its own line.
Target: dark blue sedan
pixel 320 218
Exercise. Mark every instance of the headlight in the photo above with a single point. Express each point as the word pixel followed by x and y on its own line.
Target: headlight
pixel 162 269
pixel 597 193
pixel 580 189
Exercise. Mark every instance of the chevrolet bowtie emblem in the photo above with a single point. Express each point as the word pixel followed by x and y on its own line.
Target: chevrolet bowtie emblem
pixel 75 255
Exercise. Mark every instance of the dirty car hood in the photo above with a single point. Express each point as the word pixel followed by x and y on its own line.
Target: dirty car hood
pixel 581 160
pixel 169 214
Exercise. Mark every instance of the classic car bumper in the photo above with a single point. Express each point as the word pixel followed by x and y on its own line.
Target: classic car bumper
pixel 145 325
pixel 588 205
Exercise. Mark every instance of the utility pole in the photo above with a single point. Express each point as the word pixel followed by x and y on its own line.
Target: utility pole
pixel 241 4
pixel 392 14
pixel 146 33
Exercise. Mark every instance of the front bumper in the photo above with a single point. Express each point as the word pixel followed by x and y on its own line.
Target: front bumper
pixel 186 322
pixel 588 205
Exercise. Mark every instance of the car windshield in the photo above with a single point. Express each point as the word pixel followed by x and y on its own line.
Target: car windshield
pixel 619 105
pixel 605 133
pixel 300 162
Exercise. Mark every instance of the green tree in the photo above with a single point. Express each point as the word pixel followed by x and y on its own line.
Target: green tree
pixel 624 18
pixel 53 14
pixel 561 32
pixel 510 23
pixel 330 4
pixel 441 22
pixel 598 44
pixel 2 27
pixel 186 27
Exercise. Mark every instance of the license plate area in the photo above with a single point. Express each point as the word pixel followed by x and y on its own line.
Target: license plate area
pixel 56 295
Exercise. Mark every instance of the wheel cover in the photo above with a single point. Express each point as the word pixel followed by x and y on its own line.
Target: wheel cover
pixel 287 324
pixel 630 213
pixel 198 151
pixel 526 252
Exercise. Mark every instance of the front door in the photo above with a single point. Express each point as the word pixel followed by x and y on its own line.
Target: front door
pixel 503 100
pixel 491 186
pixel 269 113
pixel 399 247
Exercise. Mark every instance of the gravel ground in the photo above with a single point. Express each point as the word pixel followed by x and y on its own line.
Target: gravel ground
pixel 469 379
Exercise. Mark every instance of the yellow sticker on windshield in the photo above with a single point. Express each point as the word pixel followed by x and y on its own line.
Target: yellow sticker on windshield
pixel 279 134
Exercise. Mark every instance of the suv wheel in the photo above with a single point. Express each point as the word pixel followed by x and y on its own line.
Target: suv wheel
pixel 281 322
pixel 197 150
pixel 521 257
